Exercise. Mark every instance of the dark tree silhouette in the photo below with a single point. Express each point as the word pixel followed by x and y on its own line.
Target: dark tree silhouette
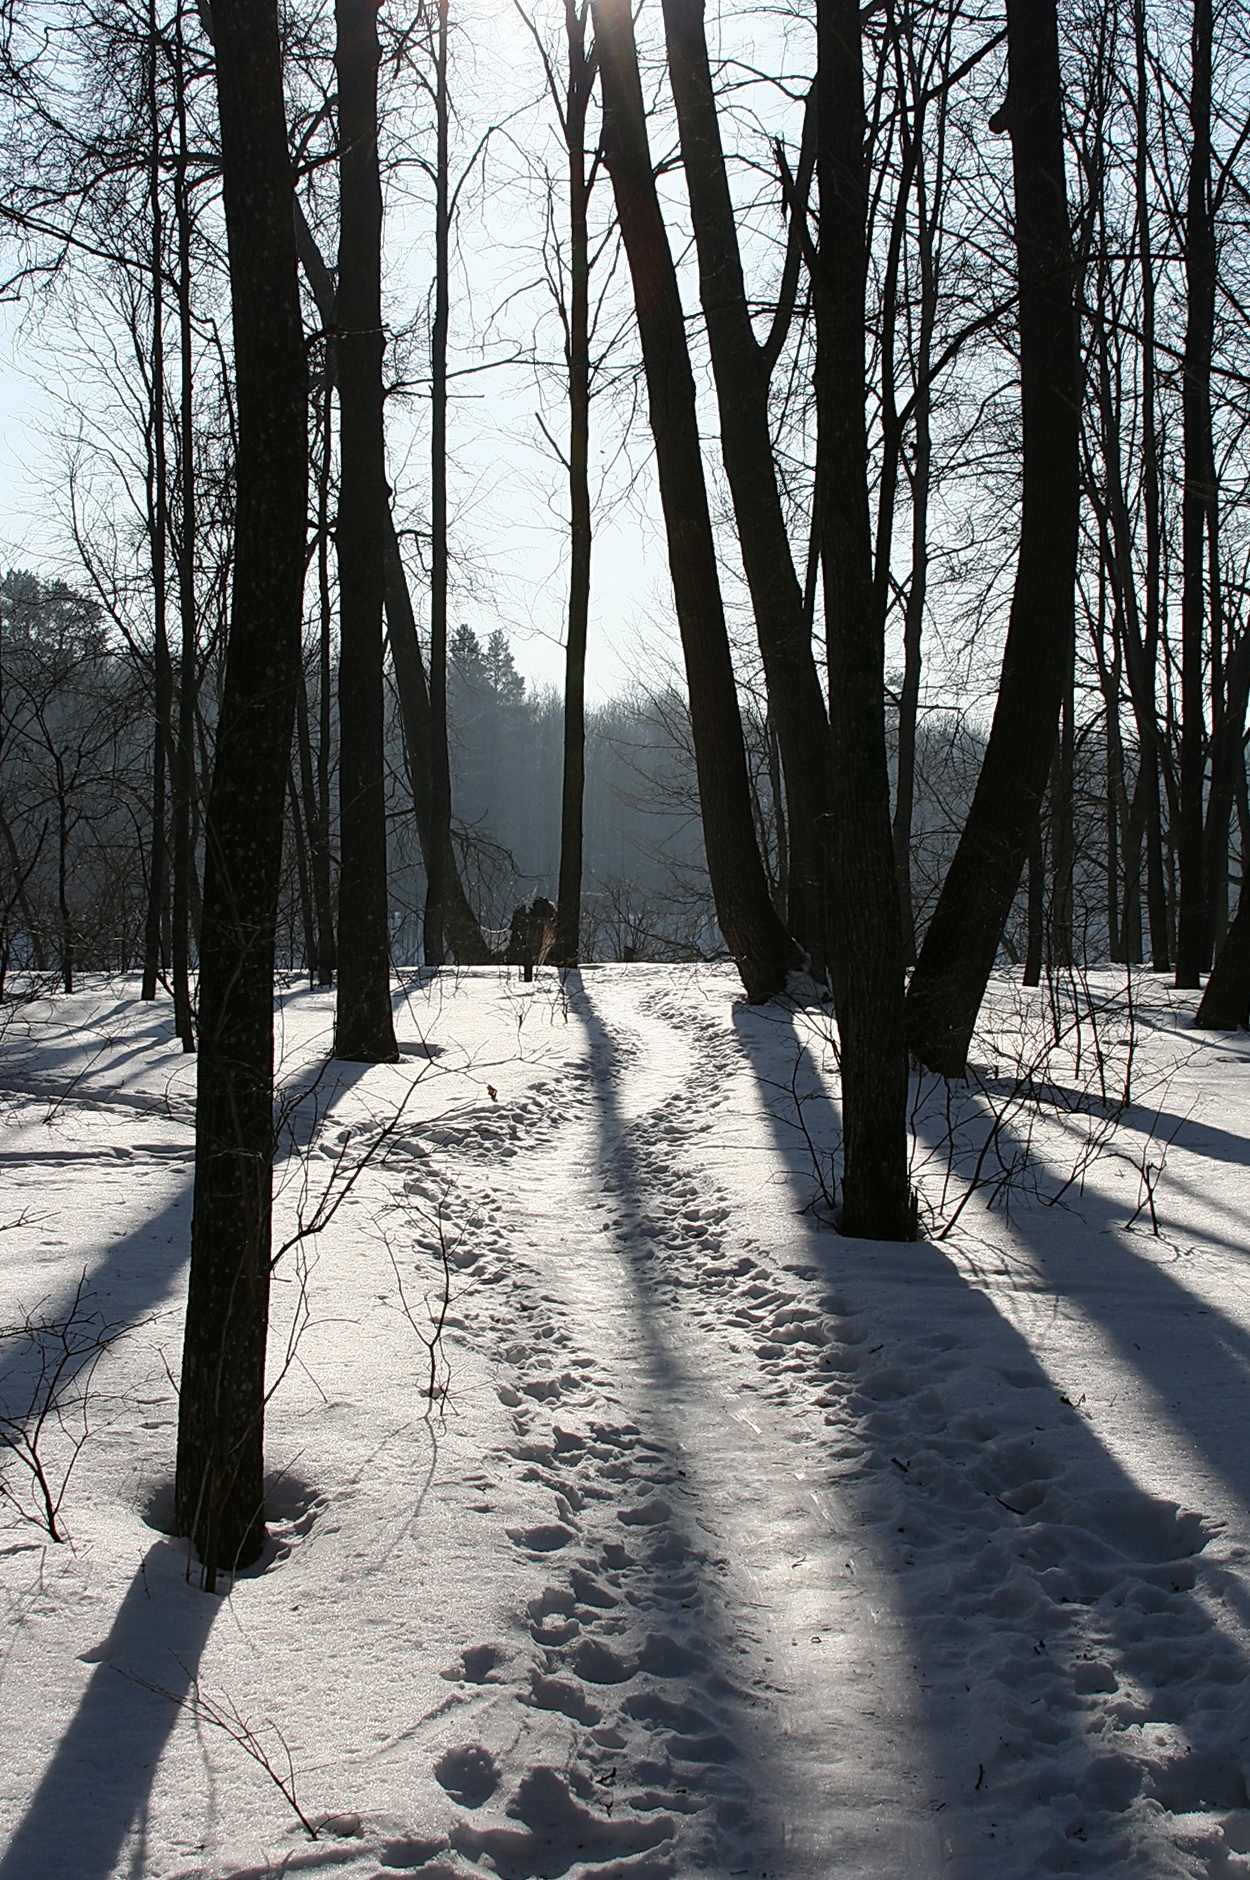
pixel 219 1487
pixel 364 1029
pixel 743 368
pixel 959 949
pixel 868 949
pixel 752 930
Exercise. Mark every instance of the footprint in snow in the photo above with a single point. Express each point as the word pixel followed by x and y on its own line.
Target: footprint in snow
pixel 544 1538
pixel 556 1832
pixel 476 1665
pixel 469 1774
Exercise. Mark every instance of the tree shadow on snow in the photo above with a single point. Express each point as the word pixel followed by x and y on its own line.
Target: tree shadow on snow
pixel 93 1796
pixel 1079 1692
pixel 705 1744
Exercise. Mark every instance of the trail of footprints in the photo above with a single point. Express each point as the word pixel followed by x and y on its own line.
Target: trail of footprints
pixel 647 1786
pixel 1077 1629
pixel 1067 1646
pixel 650 1785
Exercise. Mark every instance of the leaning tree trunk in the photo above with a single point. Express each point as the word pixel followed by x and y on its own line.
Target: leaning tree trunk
pixel 743 367
pixel 959 949
pixel 868 951
pixel 748 920
pixel 219 1487
pixel 364 1030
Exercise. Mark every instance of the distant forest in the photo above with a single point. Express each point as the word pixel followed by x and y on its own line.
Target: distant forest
pixel 75 735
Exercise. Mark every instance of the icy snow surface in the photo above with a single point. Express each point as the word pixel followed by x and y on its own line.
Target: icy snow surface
pixel 727 1546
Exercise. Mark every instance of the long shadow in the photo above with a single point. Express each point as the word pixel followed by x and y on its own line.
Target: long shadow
pixel 136 1273
pixel 1195 1358
pixel 129 1281
pixel 94 1792
pixel 679 1574
pixel 1033 1570
pixel 1196 1134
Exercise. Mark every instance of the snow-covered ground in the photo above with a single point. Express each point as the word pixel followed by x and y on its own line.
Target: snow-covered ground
pixel 725 1545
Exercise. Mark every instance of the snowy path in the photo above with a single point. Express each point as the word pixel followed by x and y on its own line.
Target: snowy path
pixel 700 1623
pixel 738 1549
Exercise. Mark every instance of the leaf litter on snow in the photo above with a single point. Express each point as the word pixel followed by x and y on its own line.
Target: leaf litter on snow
pixel 627 1521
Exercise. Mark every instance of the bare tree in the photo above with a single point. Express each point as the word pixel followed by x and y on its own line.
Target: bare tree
pixel 364 1029
pixel 753 932
pixel 958 953
pixel 219 1484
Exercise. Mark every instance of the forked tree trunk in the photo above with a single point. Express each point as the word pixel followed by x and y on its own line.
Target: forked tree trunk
pixel 743 366
pixel 868 950
pixel 219 1487
pixel 752 931
pixel 364 1030
pixel 958 953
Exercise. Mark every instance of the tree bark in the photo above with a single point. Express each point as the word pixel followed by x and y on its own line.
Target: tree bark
pixel 364 1030
pixel 868 953
pixel 959 949
pixel 219 1487
pixel 752 931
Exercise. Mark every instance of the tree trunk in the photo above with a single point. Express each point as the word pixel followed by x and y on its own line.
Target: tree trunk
pixel 364 1030
pixel 959 949
pixel 1062 840
pixel 1225 1005
pixel 322 846
pixel 567 948
pixel 742 366
pixel 463 931
pixel 219 1488
pixel 306 808
pixel 1227 760
pixel 184 737
pixel 440 761
pixel 913 631
pixel 302 874
pixel 461 928
pixel 754 935
pixel 868 954
pixel 1035 944
pixel 158 538
pixel 1198 511
pixel 1146 712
